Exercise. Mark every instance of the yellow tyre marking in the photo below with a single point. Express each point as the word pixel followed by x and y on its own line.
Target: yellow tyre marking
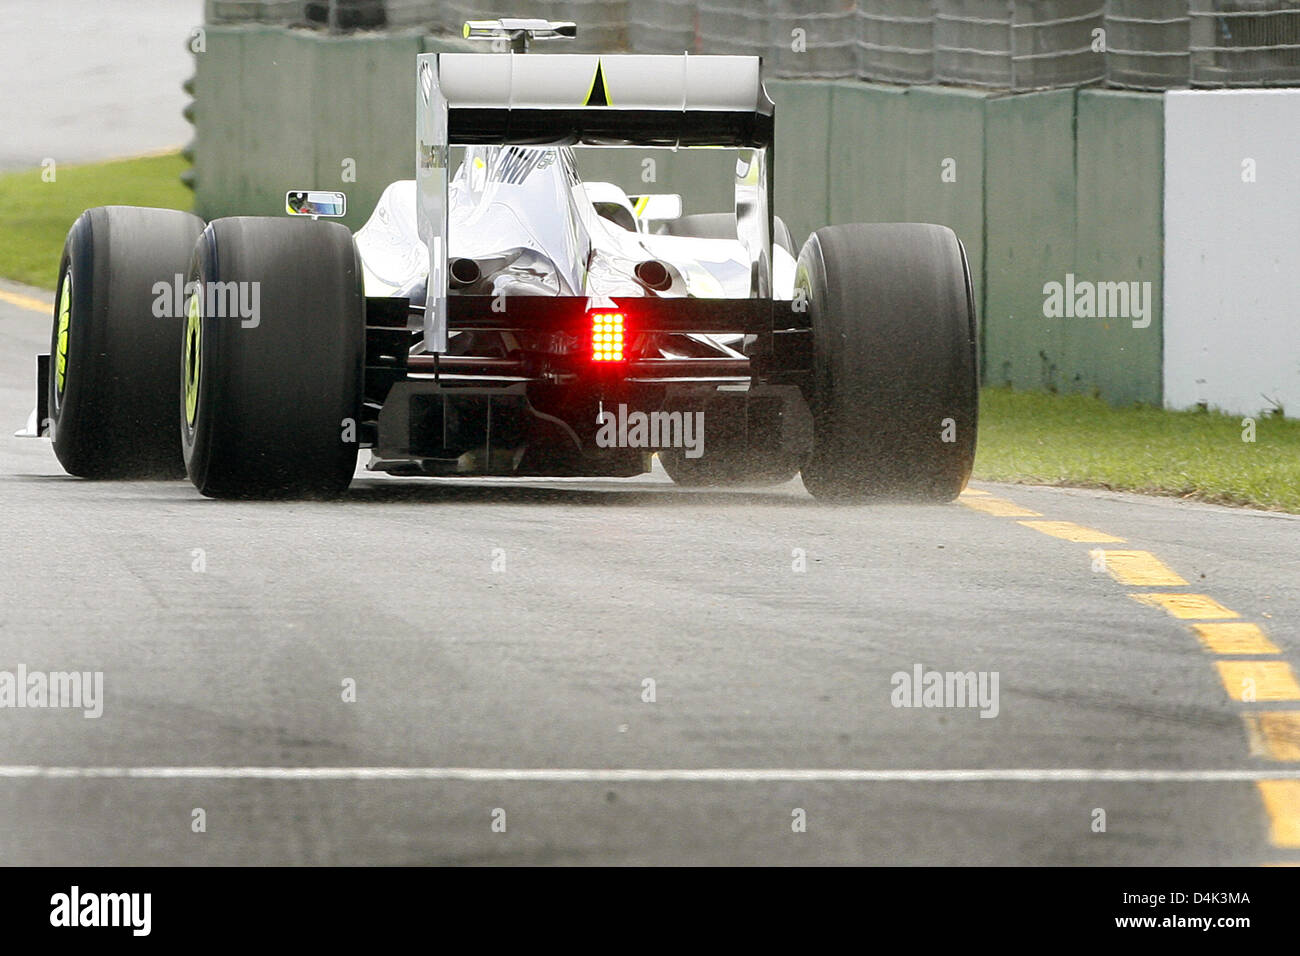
pixel 1234 638
pixel 193 358
pixel 61 336
pixel 1140 569
pixel 1250 681
pixel 1187 606
pixel 25 302
pixel 1274 735
pixel 998 506
pixel 1282 801
pixel 1072 532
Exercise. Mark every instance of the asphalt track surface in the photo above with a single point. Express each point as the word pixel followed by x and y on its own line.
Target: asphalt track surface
pixel 500 631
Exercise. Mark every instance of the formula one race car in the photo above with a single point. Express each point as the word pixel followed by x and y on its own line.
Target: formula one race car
pixel 511 320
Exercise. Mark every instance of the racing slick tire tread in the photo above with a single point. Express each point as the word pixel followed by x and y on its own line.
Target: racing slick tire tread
pixel 115 416
pixel 895 369
pixel 275 399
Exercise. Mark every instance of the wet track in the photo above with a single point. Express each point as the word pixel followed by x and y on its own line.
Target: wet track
pixel 500 630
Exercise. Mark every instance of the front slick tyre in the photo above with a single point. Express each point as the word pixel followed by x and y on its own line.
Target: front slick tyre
pixel 271 364
pixel 115 342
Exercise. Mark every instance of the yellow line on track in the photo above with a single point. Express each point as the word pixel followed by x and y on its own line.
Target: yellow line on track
pixel 1274 735
pixel 1250 681
pixel 1282 801
pixel 1234 637
pixel 1072 532
pixel 1188 607
pixel 999 507
pixel 26 302
pixel 1140 569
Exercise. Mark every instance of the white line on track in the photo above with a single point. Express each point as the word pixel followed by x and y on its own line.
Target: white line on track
pixel 705 775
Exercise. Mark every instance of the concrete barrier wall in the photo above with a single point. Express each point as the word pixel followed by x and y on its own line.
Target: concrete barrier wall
pixel 1119 185
pixel 1029 237
pixel 1232 243
pixel 893 154
pixel 1038 186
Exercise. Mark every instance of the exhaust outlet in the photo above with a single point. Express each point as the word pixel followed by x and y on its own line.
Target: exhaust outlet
pixel 654 275
pixel 462 272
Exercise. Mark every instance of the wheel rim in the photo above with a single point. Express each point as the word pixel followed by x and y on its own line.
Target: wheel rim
pixel 64 313
pixel 193 357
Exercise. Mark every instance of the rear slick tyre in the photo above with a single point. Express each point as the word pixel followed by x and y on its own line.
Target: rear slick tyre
pixel 895 393
pixel 271 395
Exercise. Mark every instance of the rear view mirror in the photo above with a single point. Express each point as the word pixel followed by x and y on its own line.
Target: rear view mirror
pixel 301 202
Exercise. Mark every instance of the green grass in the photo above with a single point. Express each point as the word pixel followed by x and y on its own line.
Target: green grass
pixel 1038 438
pixel 35 215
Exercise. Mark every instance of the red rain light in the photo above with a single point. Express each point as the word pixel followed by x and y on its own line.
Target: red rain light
pixel 607 336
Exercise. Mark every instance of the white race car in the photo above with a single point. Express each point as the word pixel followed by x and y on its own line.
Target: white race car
pixel 511 319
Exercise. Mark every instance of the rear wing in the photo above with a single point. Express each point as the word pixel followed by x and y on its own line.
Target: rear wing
pixel 628 100
pixel 472 99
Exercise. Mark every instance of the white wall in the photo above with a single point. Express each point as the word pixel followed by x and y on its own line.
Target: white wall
pixel 1232 250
